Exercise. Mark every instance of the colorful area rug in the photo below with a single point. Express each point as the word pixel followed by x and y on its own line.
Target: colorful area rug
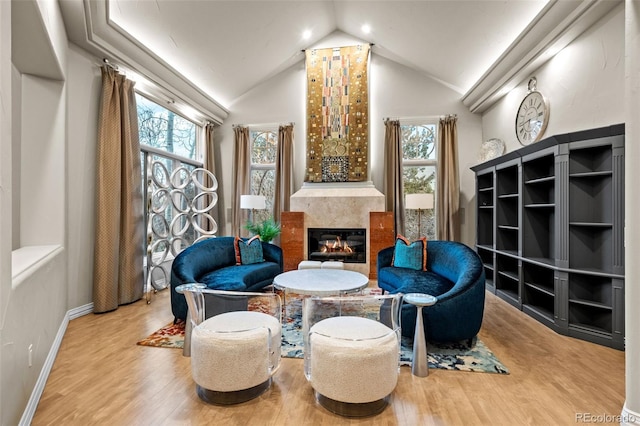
pixel 471 355
pixel 169 336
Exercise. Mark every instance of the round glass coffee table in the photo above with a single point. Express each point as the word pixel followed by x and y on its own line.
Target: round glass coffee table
pixel 320 282
pixel 420 364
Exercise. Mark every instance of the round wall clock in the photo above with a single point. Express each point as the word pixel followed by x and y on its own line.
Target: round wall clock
pixel 532 116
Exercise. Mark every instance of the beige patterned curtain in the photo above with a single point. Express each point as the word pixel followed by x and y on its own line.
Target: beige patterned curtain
pixel 448 205
pixel 241 175
pixel 284 169
pixel 118 275
pixel 209 164
pixel 393 186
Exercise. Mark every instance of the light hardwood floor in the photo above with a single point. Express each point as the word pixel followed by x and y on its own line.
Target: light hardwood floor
pixel 102 377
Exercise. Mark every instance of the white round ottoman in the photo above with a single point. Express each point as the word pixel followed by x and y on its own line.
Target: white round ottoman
pixel 354 364
pixel 233 356
pixel 332 264
pixel 310 264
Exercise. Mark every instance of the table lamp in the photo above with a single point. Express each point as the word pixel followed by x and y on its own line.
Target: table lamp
pixel 253 202
pixel 418 202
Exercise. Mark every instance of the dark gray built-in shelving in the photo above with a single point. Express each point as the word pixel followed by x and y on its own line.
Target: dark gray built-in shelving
pixel 550 220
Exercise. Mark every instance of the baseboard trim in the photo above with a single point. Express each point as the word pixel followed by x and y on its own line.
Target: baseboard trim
pixel 628 417
pixel 80 311
pixel 38 389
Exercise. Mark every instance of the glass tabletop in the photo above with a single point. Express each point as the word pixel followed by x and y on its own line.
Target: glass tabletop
pixel 321 281
pixel 420 299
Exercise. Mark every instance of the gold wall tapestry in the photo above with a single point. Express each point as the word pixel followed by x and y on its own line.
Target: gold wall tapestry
pixel 337 114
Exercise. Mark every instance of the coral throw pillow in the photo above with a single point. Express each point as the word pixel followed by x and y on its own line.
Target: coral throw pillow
pixel 412 255
pixel 248 252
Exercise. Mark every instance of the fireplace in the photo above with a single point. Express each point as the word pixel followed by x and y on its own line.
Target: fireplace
pixel 348 245
pixel 342 205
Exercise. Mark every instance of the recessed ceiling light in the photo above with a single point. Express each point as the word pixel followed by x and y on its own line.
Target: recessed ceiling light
pixel 306 34
pixel 366 29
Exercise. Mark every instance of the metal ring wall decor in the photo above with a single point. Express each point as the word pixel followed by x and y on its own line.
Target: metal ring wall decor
pixel 178 208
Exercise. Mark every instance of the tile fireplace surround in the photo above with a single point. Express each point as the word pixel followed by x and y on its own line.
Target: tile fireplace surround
pixel 338 205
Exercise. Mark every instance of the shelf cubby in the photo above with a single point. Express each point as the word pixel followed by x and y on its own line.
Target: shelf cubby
pixel 539 169
pixel 539 195
pixel 538 293
pixel 507 277
pixel 538 234
pixel 507 223
pixel 539 304
pixel 507 239
pixel 590 160
pixel 538 188
pixel 588 289
pixel 538 278
pixel 590 247
pixel 507 209
pixel 485 227
pixel 485 190
pixel 590 200
pixel 507 212
pixel 538 213
pixel 591 318
pixel 507 181
pixel 485 209
pixel 486 255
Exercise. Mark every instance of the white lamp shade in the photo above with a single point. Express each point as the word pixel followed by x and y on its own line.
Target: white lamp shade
pixel 257 202
pixel 418 201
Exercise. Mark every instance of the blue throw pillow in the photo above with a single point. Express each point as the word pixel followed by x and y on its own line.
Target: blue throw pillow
pixel 411 255
pixel 248 252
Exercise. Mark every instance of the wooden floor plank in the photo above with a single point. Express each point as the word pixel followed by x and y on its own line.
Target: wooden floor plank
pixel 101 376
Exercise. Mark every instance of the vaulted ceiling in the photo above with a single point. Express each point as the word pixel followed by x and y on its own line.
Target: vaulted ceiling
pixel 228 47
pixel 219 50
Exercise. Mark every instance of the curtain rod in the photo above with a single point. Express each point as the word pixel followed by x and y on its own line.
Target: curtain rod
pixel 432 117
pixel 337 47
pixel 264 125
pixel 108 63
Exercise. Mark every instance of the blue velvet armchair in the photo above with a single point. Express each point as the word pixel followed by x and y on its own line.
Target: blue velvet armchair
pixel 455 276
pixel 213 262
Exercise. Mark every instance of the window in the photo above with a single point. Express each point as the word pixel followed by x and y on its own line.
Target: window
pixel 165 130
pixel 264 147
pixel 169 147
pixel 419 165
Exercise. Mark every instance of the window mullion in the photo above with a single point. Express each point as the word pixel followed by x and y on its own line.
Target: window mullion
pixel 415 163
pixel 261 166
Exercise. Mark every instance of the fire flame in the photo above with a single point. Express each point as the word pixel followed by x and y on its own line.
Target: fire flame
pixel 336 246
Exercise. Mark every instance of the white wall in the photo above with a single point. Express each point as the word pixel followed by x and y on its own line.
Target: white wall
pixel 16 137
pixel 395 91
pixel 42 162
pixel 82 129
pixel 280 100
pixel 583 83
